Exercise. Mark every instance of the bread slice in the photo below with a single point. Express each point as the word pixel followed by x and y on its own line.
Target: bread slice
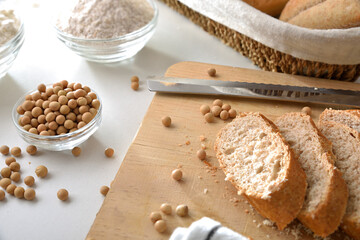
pixel 350 118
pixel 346 146
pixel 260 164
pixel 326 195
pixel 329 14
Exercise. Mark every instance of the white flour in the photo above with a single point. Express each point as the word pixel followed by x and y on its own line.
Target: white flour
pixel 9 25
pixel 105 19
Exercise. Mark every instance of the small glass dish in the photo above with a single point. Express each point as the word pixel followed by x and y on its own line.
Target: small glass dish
pixel 57 142
pixel 111 50
pixel 10 50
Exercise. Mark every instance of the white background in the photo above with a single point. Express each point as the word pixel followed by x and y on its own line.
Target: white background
pixel 44 59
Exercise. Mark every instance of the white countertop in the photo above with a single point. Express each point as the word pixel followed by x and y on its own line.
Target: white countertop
pixel 44 59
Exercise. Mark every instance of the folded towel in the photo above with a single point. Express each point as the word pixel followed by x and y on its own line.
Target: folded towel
pixel 206 229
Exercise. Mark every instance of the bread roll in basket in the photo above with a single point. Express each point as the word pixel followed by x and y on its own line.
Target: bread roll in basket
pixel 274 45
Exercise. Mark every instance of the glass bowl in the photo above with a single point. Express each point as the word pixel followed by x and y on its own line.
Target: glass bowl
pixel 57 142
pixel 10 50
pixel 111 50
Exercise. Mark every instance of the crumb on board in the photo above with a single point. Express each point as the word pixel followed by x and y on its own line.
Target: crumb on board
pixel 216 181
pixel 295 231
pixel 187 142
pixel 203 146
pixel 269 223
pixel 179 166
pixel 206 190
pixel 200 177
pixel 202 138
pixel 210 168
pixel 246 211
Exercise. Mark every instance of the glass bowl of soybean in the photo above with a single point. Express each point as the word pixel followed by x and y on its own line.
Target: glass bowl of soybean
pixel 64 141
pixel 10 50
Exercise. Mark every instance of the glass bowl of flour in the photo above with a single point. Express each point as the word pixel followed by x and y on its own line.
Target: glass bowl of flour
pixel 11 39
pixel 107 31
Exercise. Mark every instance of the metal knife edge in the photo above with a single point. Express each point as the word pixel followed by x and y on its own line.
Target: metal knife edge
pixel 290 93
pixel 250 85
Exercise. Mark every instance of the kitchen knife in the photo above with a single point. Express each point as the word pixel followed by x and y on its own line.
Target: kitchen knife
pixel 255 90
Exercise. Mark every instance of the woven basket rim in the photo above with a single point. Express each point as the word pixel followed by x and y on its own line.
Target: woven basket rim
pixel 284 37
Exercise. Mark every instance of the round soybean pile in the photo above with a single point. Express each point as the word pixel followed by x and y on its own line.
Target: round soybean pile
pixel 60 109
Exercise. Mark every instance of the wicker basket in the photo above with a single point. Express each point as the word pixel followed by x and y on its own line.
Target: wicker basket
pixel 267 58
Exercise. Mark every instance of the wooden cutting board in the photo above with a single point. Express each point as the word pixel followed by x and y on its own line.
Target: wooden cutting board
pixel 144 181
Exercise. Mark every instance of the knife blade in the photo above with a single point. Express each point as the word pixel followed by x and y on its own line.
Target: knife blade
pixel 255 90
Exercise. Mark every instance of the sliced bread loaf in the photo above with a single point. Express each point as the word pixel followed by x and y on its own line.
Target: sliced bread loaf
pixel 260 164
pixel 346 147
pixel 326 195
pixel 350 118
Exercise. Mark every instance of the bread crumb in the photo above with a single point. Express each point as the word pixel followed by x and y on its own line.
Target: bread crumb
pixel 267 222
pixel 295 231
pixel 259 225
pixel 203 146
pixel 187 142
pixel 240 192
pixel 179 144
pixel 200 177
pixel 202 138
pixel 246 211
pixel 179 166
pixel 205 190
pixel 216 181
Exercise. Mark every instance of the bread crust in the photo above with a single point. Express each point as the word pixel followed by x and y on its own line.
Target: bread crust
pixel 271 7
pixel 294 7
pixel 350 224
pixel 326 217
pixel 286 201
pixel 329 14
pixel 349 117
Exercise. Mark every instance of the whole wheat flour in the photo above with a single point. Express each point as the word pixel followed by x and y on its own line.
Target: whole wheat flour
pixel 9 25
pixel 105 19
